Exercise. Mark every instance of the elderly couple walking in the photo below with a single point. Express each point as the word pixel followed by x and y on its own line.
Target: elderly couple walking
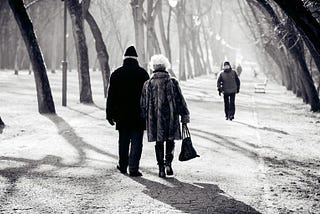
pixel 136 103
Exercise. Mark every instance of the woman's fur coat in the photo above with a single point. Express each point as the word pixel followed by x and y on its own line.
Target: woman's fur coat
pixel 161 104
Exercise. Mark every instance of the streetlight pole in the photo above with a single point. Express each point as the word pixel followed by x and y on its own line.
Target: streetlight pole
pixel 64 62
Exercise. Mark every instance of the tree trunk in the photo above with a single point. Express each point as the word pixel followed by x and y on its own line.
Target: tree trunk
pixel 54 46
pixel 165 39
pixel 181 35
pixel 76 14
pixel 196 58
pixel 16 57
pixel 45 101
pixel 202 59
pixel 149 25
pixel 155 41
pixel 206 40
pixel 189 66
pixel 101 49
pixel 114 24
pixel 313 54
pixel 153 45
pixel 311 95
pixel 137 13
pixel 304 21
pixel 295 47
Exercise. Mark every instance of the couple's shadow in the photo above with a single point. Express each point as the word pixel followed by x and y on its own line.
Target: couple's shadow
pixel 193 198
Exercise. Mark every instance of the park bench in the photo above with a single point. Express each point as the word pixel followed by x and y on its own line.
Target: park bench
pixel 260 87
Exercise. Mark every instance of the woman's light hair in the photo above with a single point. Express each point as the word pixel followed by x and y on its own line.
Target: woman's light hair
pixel 159 61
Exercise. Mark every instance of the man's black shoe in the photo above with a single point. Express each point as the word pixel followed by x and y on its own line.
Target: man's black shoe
pixel 123 171
pixel 135 174
pixel 231 118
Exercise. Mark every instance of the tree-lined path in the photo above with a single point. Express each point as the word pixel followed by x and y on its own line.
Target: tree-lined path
pixel 266 160
pixel 57 159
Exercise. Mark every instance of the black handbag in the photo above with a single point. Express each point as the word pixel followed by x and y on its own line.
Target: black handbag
pixel 187 150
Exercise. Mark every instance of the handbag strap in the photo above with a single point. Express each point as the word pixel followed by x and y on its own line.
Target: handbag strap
pixel 185 131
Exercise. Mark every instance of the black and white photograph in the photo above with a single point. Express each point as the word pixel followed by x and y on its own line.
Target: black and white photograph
pixel 160 106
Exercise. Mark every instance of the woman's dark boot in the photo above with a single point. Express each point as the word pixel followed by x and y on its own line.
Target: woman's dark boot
pixel 160 159
pixel 169 157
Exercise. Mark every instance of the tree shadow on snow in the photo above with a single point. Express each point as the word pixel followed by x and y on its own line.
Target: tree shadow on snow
pixel 224 141
pixel 13 174
pixel 30 170
pixel 86 114
pixel 194 198
pixel 68 133
pixel 263 128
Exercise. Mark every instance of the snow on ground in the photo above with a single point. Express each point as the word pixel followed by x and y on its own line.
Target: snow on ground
pixel 266 160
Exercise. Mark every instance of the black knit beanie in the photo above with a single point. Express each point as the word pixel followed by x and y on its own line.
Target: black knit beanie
pixel 226 63
pixel 131 51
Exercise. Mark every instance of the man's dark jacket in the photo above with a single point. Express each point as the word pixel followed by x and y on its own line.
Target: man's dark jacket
pixel 228 82
pixel 123 102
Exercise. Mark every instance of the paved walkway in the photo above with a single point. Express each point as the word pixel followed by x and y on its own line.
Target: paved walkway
pixel 66 163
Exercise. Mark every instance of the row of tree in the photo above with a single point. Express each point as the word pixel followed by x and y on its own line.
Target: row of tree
pixel 290 38
pixel 286 32
pixel 78 13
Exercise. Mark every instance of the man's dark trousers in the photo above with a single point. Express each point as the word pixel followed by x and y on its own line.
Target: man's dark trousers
pixel 134 138
pixel 229 104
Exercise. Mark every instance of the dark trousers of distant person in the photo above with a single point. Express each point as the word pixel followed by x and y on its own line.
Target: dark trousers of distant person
pixel 229 105
pixel 130 149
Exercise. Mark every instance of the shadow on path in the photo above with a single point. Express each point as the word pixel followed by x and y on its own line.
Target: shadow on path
pixel 68 133
pixel 13 174
pixel 223 141
pixel 263 128
pixel 194 198
pixel 99 107
pixel 86 114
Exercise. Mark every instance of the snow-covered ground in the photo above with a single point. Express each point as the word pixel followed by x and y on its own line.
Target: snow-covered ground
pixel 266 160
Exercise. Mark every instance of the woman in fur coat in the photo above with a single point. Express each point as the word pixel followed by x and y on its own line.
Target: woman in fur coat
pixel 161 105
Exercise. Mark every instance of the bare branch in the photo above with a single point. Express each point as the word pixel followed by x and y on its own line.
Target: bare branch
pixel 31 3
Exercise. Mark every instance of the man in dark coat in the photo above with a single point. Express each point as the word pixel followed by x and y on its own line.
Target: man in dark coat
pixel 123 108
pixel 229 84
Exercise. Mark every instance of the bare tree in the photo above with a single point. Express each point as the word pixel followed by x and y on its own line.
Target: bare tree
pixel 287 35
pixel 180 12
pixel 137 13
pixel 45 101
pixel 101 48
pixel 165 34
pixel 303 19
pixel 153 45
pixel 77 18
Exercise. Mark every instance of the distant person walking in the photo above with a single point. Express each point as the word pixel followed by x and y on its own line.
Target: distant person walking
pixel 2 125
pixel 255 74
pixel 123 108
pixel 162 102
pixel 229 84
pixel 239 70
